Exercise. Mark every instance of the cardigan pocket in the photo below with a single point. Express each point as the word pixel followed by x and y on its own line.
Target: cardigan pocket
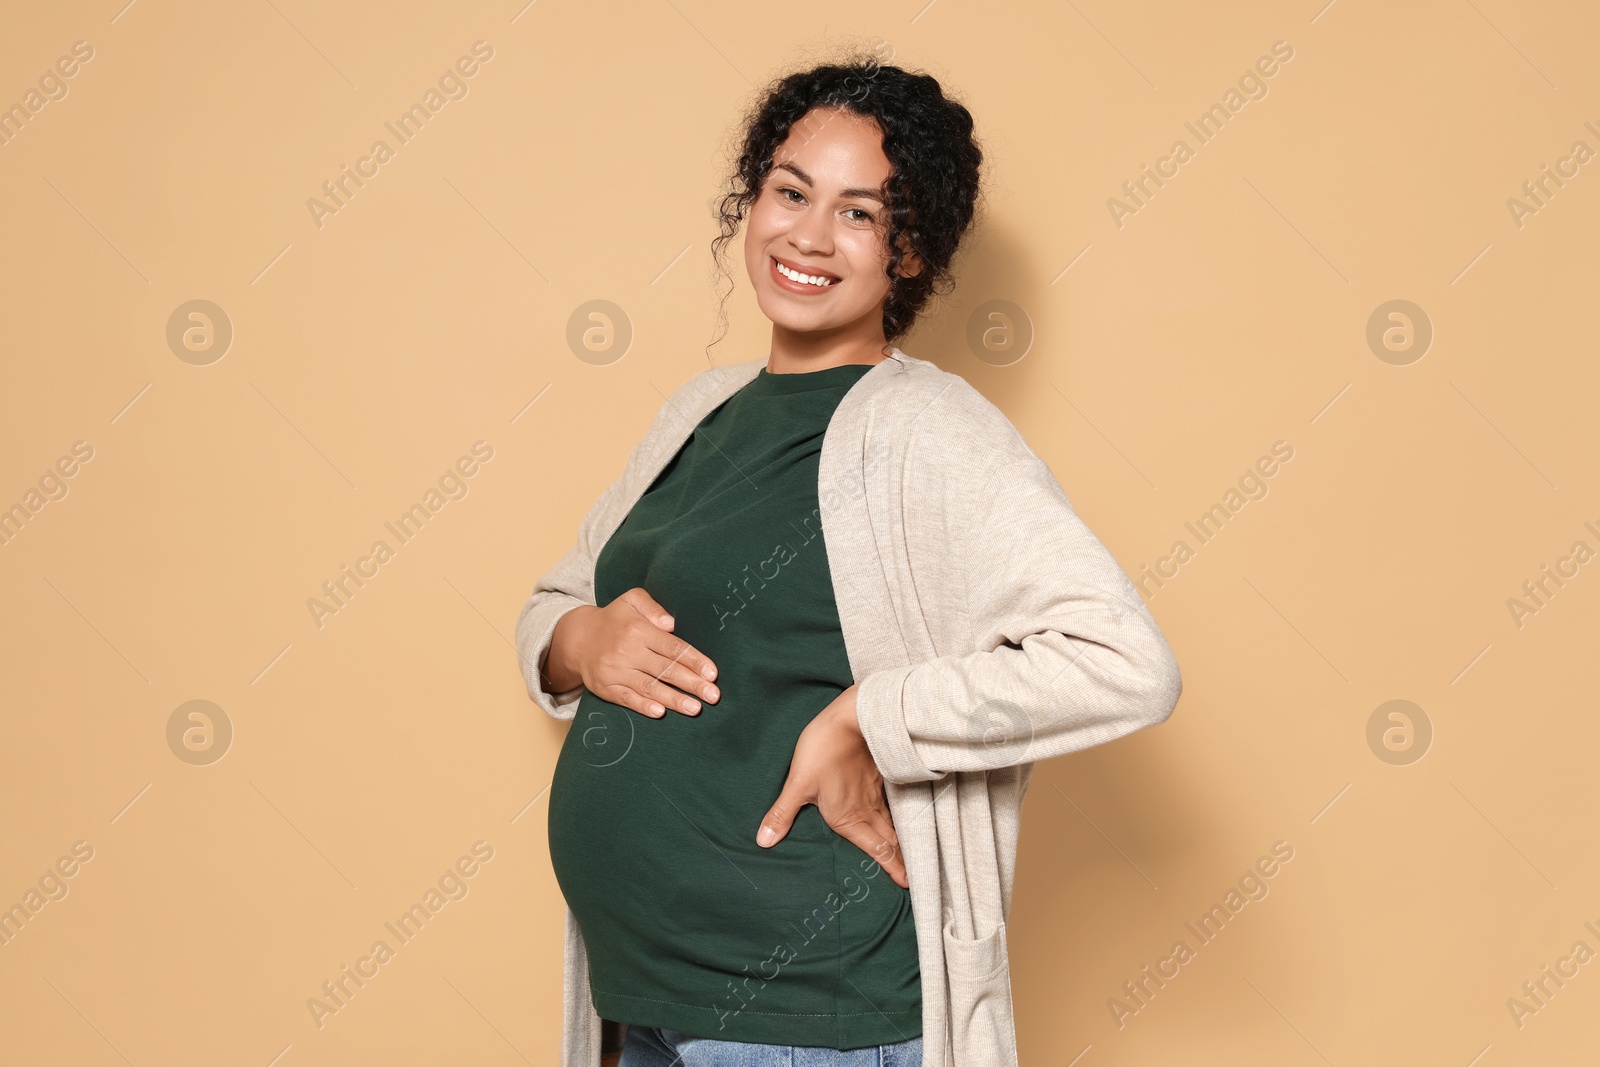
pixel 981 1018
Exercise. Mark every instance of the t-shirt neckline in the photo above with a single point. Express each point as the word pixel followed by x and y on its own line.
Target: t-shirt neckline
pixel 766 383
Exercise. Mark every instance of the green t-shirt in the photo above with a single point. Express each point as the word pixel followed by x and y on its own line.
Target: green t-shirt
pixel 689 924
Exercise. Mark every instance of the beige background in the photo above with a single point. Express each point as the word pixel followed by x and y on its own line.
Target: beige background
pixel 369 353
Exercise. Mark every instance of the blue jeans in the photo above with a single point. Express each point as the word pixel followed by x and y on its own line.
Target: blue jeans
pixel 654 1046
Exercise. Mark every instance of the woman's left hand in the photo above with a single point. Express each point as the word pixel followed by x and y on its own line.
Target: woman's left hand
pixel 833 769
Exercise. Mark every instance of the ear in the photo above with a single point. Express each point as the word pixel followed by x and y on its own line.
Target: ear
pixel 912 264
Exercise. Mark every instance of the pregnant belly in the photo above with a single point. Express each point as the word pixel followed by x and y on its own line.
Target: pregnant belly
pixel 653 825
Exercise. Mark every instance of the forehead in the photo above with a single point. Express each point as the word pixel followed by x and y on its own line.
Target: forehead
pixel 837 149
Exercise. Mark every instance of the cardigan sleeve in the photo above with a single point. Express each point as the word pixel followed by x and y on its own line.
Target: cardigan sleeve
pixel 1066 654
pixel 570 582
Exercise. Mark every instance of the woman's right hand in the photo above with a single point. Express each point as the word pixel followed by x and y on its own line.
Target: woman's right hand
pixel 625 653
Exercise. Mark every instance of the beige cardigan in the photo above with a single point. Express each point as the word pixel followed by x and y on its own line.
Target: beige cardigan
pixel 986 626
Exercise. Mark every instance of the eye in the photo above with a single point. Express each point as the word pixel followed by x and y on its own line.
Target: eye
pixel 784 191
pixel 866 216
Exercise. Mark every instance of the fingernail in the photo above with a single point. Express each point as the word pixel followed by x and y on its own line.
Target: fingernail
pixel 666 620
pixel 692 704
pixel 710 692
pixel 767 836
pixel 709 671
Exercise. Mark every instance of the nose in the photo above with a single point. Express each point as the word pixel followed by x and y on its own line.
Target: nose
pixel 812 233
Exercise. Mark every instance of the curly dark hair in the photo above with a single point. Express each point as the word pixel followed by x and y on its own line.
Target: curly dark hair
pixel 931 192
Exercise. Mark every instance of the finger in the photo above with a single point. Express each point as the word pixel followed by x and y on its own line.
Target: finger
pixel 776 822
pixel 658 694
pixel 633 668
pixel 645 604
pixel 697 668
pixel 875 836
pixel 677 673
pixel 625 697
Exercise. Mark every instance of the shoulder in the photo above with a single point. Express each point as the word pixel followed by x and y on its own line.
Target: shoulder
pixel 945 419
pixel 703 391
pixel 724 378
pixel 967 466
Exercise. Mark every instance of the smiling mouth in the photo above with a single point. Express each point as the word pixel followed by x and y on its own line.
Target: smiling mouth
pixel 801 281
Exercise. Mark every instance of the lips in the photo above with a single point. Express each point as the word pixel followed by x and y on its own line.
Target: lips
pixel 816 272
pixel 791 285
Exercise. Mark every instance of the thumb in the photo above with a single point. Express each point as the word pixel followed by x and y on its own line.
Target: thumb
pixel 646 605
pixel 775 824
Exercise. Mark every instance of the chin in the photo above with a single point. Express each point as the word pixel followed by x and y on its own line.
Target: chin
pixel 793 319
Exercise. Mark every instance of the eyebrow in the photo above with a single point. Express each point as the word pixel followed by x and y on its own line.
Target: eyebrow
pixel 848 194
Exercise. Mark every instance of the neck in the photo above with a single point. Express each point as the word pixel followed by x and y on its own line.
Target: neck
pixel 795 352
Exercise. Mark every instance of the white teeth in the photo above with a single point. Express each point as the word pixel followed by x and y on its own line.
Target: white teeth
pixel 807 278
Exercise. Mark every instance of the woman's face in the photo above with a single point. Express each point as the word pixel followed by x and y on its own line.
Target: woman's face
pixel 819 213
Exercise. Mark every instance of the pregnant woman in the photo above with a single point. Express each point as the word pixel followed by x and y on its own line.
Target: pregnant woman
pixel 813 639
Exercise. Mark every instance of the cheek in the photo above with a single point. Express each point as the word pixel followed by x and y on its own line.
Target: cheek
pixel 765 218
pixel 867 257
pixel 759 230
